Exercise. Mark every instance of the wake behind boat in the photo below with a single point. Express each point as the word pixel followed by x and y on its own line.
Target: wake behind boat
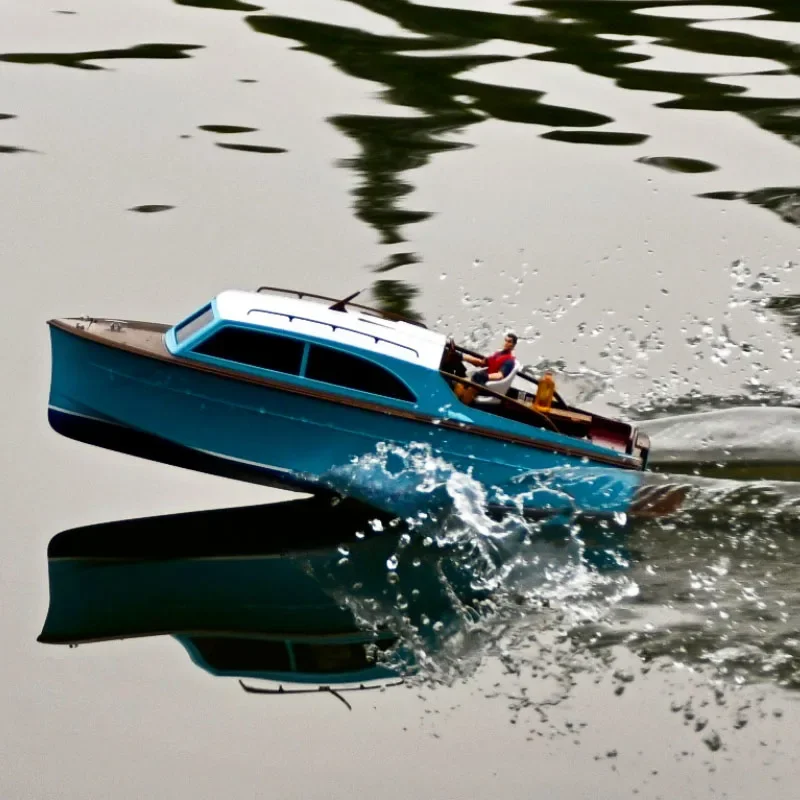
pixel 310 393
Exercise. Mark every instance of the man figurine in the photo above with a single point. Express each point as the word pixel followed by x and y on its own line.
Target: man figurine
pixel 498 365
pixel 495 367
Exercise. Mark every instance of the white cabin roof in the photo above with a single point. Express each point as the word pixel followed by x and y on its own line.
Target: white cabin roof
pixel 400 340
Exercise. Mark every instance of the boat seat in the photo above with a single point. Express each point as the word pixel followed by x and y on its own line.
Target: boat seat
pixel 501 387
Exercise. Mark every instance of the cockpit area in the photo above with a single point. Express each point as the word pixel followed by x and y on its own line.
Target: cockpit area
pixel 518 396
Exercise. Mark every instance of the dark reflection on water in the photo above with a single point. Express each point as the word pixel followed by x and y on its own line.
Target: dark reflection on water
pixel 227 128
pixel 80 60
pixel 8 149
pixel 425 73
pixel 673 164
pixel 416 74
pixel 255 592
pixel 246 591
pixel 595 137
pixel 310 592
pixel 150 208
pixel 250 148
pixel 396 297
pixel 579 43
pixel 389 146
pixel 417 77
pixel 301 591
pixel 397 260
pixel 222 5
pixel 781 200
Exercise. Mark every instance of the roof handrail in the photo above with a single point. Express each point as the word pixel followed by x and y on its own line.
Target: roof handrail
pixel 376 311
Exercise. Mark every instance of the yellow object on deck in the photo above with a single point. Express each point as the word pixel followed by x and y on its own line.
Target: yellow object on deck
pixel 545 392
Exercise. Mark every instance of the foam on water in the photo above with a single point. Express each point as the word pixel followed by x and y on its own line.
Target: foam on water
pixel 733 434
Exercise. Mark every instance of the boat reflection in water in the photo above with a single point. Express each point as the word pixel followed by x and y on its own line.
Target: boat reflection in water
pixel 299 592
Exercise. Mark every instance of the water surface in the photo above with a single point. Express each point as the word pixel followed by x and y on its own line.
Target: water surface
pixel 617 181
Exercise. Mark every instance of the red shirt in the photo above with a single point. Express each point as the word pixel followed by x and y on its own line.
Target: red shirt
pixel 494 362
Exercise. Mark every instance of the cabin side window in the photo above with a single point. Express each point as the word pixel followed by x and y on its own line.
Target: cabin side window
pixel 342 369
pixel 255 348
pixel 194 324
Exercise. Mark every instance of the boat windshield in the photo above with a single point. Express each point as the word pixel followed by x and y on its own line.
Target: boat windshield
pixel 194 324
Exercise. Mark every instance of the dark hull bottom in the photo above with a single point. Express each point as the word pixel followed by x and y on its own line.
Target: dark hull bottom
pixel 145 445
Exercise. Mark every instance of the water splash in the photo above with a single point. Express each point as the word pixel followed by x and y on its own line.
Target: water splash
pixel 412 481
pixel 462 587
pixel 713 587
pixel 636 365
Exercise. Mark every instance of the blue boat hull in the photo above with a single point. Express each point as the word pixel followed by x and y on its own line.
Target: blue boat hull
pixel 192 418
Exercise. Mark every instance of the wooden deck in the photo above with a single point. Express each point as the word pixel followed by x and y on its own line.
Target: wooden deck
pixel 146 338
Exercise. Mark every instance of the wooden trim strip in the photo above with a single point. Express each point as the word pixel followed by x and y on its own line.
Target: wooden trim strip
pixel 622 461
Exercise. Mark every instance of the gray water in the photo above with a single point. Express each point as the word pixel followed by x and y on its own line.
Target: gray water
pixel 615 180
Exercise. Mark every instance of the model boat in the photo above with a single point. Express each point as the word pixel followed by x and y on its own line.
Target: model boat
pixel 327 396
